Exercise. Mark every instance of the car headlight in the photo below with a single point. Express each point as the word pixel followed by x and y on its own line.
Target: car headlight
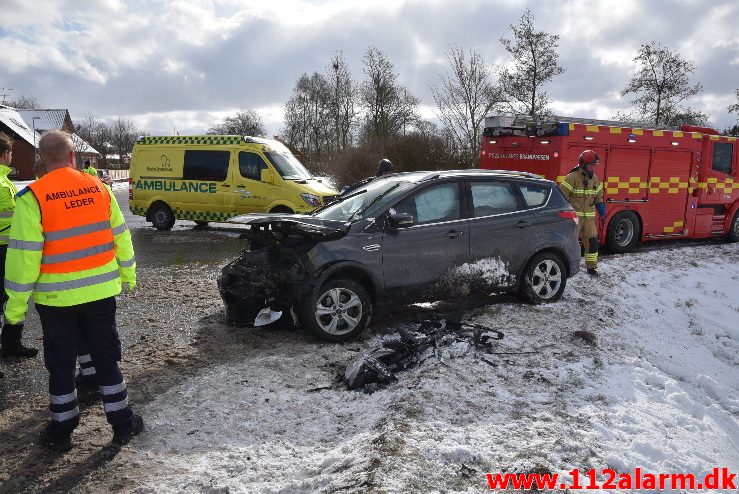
pixel 311 200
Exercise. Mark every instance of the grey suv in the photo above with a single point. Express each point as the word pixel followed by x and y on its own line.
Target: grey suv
pixel 404 238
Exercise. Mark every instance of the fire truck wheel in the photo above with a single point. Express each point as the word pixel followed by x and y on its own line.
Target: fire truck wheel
pixel 623 232
pixel 734 229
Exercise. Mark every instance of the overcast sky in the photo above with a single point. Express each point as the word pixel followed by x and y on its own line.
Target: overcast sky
pixel 184 64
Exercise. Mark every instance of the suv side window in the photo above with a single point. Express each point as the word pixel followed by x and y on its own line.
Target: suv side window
pixel 432 205
pixel 211 166
pixel 251 165
pixel 489 198
pixel 534 195
pixel 722 157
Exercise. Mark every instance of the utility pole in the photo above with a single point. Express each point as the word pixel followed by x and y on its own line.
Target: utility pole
pixel 4 93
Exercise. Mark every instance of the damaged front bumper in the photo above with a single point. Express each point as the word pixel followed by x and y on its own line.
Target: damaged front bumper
pixel 272 273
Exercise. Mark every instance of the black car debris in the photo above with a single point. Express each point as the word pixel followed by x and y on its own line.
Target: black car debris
pixel 403 238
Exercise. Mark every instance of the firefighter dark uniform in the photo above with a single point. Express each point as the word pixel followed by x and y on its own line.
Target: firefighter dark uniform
pixel 584 191
pixel 71 249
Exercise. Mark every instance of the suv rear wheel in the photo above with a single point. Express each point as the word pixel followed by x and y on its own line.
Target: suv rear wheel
pixel 161 216
pixel 544 279
pixel 337 311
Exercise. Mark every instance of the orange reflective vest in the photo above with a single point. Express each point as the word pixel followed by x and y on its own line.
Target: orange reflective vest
pixel 75 218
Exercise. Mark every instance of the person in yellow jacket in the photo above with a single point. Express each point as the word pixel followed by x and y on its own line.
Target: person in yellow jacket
pixel 89 169
pixel 70 248
pixel 584 191
pixel 10 337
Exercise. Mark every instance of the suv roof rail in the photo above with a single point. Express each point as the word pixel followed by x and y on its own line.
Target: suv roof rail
pixel 507 173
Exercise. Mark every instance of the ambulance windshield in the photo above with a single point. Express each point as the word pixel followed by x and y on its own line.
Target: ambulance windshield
pixel 287 165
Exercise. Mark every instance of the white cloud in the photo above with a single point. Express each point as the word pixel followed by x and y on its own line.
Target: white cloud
pixel 195 61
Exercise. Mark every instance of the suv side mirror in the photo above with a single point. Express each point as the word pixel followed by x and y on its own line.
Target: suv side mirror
pixel 401 219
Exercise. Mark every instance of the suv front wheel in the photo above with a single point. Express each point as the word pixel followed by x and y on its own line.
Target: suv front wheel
pixel 544 279
pixel 337 311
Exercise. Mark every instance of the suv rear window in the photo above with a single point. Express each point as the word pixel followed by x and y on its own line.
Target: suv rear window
pixel 534 195
pixel 211 166
pixel 489 198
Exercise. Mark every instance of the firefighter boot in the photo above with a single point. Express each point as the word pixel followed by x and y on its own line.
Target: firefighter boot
pixel 593 272
pixel 10 342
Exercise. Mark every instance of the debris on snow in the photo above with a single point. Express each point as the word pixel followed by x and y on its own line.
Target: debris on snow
pixel 407 348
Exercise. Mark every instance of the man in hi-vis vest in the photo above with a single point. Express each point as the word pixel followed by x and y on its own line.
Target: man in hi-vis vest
pixel 70 248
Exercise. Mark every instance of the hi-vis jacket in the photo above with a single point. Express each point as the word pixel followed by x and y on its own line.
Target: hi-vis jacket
pixel 7 203
pixel 582 192
pixel 90 170
pixel 69 244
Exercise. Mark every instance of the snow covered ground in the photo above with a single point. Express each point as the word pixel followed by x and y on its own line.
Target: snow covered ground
pixel 639 368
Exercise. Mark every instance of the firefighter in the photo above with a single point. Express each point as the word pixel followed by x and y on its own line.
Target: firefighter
pixel 584 192
pixel 71 249
pixel 384 167
pixel 89 169
pixel 10 337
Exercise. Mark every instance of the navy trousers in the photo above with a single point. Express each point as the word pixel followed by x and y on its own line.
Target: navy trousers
pixel 92 324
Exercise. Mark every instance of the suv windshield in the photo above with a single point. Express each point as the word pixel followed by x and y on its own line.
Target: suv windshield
pixel 287 165
pixel 365 202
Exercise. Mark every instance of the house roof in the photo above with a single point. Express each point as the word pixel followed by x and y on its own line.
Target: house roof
pixel 10 117
pixel 45 119
pixel 82 146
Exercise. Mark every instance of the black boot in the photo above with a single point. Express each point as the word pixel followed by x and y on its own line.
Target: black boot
pixel 122 437
pixel 593 272
pixel 61 443
pixel 10 342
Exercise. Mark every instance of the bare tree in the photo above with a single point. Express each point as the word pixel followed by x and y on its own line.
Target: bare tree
pixel 534 63
pixel 390 108
pixel 308 117
pixel 93 131
pixel 467 94
pixel 245 122
pixel 344 100
pixel 123 135
pixel 661 83
pixel 25 103
pixel 735 107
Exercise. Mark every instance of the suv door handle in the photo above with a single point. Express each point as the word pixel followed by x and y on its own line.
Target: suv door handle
pixel 523 224
pixel 453 234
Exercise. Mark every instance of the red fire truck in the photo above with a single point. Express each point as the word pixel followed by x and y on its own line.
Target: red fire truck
pixel 659 183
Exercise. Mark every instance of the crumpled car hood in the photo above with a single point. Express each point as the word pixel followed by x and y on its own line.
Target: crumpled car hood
pixel 308 227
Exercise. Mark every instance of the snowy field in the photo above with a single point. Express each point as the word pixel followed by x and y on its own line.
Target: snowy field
pixel 639 368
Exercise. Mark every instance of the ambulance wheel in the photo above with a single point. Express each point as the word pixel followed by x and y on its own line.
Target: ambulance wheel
pixel 733 235
pixel 338 310
pixel 281 210
pixel 544 279
pixel 623 232
pixel 161 216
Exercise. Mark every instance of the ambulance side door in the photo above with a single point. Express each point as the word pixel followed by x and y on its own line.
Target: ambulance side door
pixel 253 188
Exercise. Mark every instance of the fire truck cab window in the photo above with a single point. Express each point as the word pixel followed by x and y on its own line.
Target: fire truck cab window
pixel 722 154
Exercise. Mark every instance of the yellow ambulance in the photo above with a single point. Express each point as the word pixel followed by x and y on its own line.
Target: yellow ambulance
pixel 213 178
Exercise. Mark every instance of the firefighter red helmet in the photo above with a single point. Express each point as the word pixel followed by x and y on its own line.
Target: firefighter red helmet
pixel 587 157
